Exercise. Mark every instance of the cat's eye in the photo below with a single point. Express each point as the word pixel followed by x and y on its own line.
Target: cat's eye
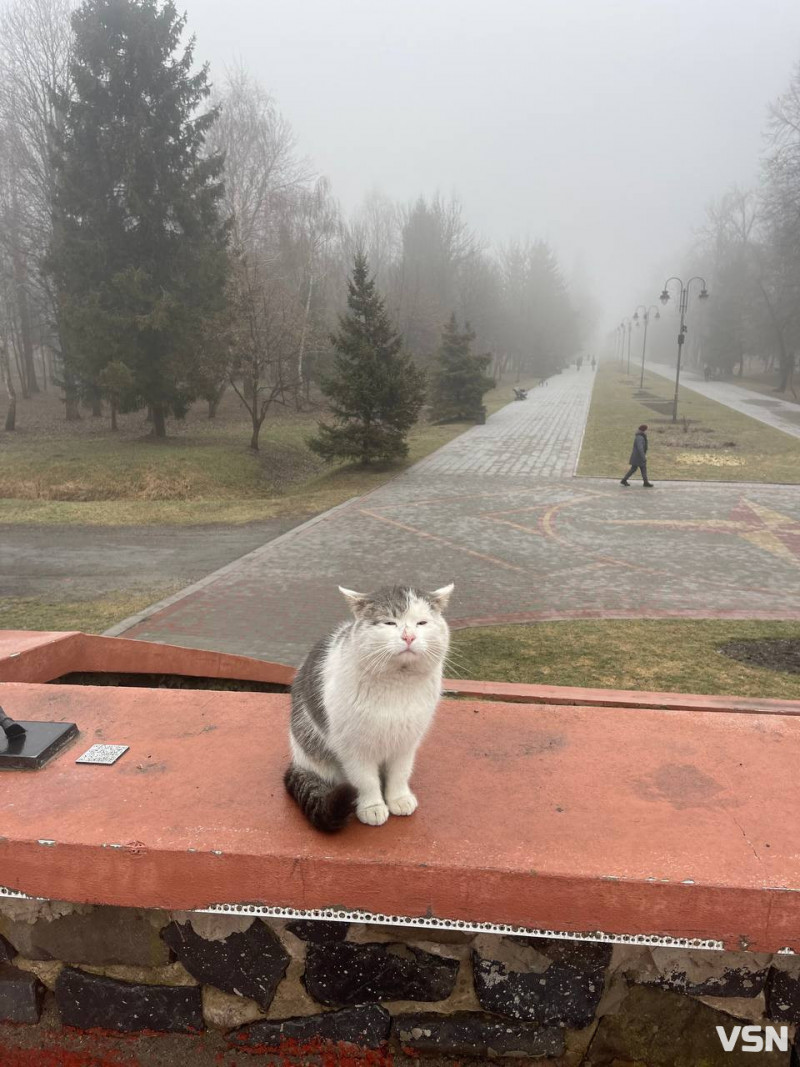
pixel 422 622
pixel 389 622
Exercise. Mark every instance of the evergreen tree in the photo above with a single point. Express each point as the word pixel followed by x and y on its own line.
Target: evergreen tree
pixel 459 377
pixel 377 391
pixel 139 250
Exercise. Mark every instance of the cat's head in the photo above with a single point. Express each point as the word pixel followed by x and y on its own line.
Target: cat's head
pixel 400 628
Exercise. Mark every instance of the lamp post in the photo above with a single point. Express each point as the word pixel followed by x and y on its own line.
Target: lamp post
pixel 620 330
pixel 682 306
pixel 646 318
pixel 629 324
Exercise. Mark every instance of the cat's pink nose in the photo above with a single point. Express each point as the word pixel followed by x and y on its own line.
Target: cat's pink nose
pixel 408 637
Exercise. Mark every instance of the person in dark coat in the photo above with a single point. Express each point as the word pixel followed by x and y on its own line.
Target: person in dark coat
pixel 638 460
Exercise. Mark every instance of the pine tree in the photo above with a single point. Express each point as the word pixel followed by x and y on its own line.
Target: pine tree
pixel 459 378
pixel 377 391
pixel 139 251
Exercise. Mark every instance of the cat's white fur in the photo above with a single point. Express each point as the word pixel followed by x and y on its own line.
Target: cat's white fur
pixel 380 698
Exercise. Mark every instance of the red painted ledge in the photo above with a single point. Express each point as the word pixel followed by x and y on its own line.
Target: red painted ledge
pixel 611 817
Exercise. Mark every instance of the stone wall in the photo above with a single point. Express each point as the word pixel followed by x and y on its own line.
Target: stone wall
pixel 291 988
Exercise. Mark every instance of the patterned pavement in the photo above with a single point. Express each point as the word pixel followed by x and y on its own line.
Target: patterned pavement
pixel 522 538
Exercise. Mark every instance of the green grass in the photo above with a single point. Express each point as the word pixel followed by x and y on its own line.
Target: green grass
pixel 714 444
pixel 53 473
pixel 92 616
pixel 660 655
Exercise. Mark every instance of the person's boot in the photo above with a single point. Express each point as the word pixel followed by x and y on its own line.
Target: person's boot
pixel 626 483
pixel 647 485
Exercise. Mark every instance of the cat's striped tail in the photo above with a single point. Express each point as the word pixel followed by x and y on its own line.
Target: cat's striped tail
pixel 327 807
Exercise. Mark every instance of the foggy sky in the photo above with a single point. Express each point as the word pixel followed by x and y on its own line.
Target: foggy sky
pixel 603 127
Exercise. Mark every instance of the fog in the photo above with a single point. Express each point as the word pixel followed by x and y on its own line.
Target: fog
pixel 604 128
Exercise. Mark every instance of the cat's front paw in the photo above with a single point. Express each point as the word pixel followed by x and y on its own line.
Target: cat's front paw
pixel 405 805
pixel 374 814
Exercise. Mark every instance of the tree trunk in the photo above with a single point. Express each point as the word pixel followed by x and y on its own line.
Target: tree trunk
pixel 254 436
pixel 159 422
pixel 302 349
pixel 113 415
pixel 11 413
pixel 20 268
pixel 97 404
pixel 213 401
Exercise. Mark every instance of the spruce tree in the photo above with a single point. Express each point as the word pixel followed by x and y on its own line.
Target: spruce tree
pixel 459 378
pixel 376 391
pixel 139 250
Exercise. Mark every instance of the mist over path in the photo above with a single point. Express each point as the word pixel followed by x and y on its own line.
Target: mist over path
pixel 499 512
pixel 773 411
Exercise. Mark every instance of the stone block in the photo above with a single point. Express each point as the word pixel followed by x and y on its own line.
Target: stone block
pixel 21 995
pixel 783 995
pixel 345 973
pixel 366 1026
pixel 544 981
pixel 250 963
pixel 226 1011
pixel 318 930
pixel 661 1028
pixel 705 973
pixel 7 952
pixel 475 1034
pixel 89 1001
pixel 105 935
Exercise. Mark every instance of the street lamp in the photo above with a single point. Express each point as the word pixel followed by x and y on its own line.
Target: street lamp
pixel 682 306
pixel 627 322
pixel 646 318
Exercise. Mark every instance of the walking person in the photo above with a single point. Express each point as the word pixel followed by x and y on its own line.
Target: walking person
pixel 638 460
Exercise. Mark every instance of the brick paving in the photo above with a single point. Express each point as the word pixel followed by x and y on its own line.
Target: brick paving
pixel 521 544
pixel 539 436
pixel 773 411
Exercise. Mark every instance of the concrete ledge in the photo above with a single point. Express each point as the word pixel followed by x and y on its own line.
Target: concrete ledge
pixel 605 818
pixel 41 657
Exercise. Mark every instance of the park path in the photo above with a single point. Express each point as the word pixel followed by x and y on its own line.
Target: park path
pixel 523 540
pixel 780 414
pixel 539 436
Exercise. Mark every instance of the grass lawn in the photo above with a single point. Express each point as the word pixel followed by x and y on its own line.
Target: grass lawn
pixel 766 382
pixel 677 656
pixel 710 442
pixel 55 472
pixel 90 616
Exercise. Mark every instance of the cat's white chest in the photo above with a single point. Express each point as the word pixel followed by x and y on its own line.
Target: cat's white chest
pixel 382 718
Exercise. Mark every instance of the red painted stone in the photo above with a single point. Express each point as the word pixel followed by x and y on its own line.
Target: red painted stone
pixel 612 816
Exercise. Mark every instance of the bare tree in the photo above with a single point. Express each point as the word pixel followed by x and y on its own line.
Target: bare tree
pixel 266 324
pixel 35 44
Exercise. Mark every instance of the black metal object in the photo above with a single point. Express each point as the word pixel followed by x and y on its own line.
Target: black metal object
pixel 10 728
pixel 30 745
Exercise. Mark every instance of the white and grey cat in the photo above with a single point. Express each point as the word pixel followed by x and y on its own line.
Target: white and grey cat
pixel 362 702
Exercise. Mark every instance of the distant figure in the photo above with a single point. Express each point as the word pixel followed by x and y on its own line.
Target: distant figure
pixel 520 394
pixel 638 460
pixel 579 362
pixel 594 363
pixel 707 372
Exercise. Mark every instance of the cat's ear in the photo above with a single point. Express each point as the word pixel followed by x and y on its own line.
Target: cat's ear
pixel 356 600
pixel 441 597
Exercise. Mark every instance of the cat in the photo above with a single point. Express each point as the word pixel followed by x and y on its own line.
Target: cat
pixel 361 703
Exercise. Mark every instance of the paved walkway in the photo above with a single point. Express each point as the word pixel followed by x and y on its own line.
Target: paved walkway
pixel 539 436
pixel 521 544
pixel 84 562
pixel 780 414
